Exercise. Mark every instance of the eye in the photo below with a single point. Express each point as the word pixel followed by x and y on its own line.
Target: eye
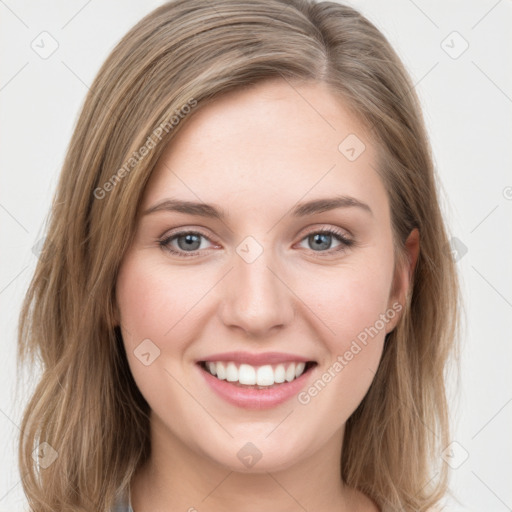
pixel 188 242
pixel 322 239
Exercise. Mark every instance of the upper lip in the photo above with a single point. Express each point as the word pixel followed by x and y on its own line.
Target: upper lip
pixel 255 359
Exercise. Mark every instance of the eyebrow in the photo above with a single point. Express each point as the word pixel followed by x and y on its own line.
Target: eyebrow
pixel 215 212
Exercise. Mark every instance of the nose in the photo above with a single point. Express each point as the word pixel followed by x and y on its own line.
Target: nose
pixel 256 297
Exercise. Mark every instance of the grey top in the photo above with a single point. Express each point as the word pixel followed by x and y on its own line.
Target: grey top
pixel 123 503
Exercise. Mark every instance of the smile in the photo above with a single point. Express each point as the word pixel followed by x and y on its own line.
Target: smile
pixel 259 377
pixel 253 386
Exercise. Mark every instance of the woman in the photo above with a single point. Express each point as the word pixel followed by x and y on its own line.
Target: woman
pixel 248 302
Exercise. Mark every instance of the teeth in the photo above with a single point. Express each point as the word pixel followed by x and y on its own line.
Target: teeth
pixel 279 374
pixel 248 375
pixel 220 370
pixel 211 368
pixel 265 376
pixel 299 369
pixel 231 372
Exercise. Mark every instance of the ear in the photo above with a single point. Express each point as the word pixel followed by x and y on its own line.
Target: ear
pixel 402 279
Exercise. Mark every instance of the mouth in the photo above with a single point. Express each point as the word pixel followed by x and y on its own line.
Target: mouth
pixel 247 376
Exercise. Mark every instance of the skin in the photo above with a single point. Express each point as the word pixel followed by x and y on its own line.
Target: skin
pixel 293 298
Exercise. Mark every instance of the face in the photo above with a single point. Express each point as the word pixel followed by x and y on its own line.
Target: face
pixel 265 283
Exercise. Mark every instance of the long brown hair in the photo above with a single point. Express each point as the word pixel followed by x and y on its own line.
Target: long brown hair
pixel 86 416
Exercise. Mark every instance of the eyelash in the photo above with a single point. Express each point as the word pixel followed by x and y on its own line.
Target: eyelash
pixel 339 235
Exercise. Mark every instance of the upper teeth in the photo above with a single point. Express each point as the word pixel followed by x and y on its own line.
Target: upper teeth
pixel 266 375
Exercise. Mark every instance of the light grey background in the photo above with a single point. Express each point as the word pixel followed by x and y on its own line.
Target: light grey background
pixel 467 102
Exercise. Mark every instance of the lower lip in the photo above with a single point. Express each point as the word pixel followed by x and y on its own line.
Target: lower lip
pixel 253 398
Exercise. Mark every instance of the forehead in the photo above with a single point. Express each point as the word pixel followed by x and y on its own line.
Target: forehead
pixel 271 143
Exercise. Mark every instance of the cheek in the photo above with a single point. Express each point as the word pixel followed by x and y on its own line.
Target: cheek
pixel 348 301
pixel 153 300
pixel 351 309
pixel 158 313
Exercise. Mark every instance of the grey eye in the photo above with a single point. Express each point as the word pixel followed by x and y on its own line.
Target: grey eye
pixel 190 241
pixel 320 240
